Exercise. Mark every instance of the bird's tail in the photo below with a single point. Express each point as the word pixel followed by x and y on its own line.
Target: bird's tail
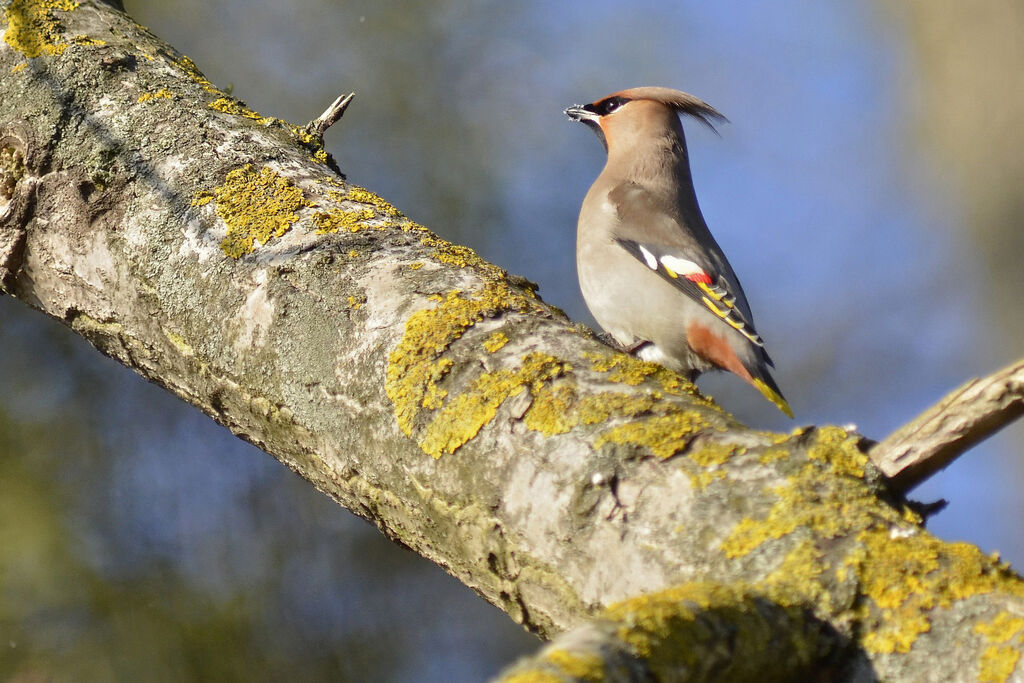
pixel 764 383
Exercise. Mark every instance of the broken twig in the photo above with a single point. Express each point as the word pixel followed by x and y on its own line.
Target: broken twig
pixel 942 433
pixel 331 115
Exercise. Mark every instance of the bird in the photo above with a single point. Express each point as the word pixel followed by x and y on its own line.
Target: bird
pixel 649 269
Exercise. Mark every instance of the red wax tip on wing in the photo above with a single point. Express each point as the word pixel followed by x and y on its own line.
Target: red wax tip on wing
pixel 699 277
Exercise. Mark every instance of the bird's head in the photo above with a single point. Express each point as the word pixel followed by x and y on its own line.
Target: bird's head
pixel 640 111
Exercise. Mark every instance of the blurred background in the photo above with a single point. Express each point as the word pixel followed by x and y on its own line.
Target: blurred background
pixel 867 192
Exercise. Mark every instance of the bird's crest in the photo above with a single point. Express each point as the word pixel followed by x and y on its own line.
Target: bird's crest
pixel 682 102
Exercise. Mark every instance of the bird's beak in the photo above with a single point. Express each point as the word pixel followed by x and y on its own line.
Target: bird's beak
pixel 577 113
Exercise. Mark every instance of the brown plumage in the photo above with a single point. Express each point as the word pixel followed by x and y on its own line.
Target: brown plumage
pixel 650 271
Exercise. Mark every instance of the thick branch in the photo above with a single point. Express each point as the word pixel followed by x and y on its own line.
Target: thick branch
pixel 942 433
pixel 214 251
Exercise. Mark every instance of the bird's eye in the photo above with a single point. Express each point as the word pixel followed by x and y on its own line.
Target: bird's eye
pixel 610 105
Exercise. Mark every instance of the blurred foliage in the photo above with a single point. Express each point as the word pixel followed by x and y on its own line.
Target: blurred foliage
pixel 169 550
pixel 968 122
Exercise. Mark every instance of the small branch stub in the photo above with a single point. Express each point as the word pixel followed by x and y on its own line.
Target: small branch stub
pixel 942 433
pixel 331 115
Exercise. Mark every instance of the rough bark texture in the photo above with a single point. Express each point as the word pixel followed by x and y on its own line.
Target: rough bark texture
pixel 215 252
pixel 934 439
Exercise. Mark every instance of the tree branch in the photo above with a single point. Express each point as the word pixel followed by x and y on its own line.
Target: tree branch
pixel 938 436
pixel 214 251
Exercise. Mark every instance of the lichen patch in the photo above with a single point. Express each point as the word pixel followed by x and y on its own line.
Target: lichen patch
pixel 256 206
pixel 416 367
pixel 34 27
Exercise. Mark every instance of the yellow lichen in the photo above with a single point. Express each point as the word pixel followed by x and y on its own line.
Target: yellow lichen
pixel 179 343
pixel 86 40
pixel 714 454
pixel 356 302
pixel 33 28
pixel 533 677
pixel 353 253
pixel 464 415
pixel 18 67
pixel 551 411
pixel 606 404
pixel 413 369
pixel 905 578
pixel 495 341
pixel 256 206
pixel 622 368
pixel 558 410
pixel 997 664
pixel 339 219
pixel 798 576
pixel 663 435
pixel 678 632
pixel 193 72
pixel 998 661
pixel 162 93
pixel 771 455
pixel 230 105
pixel 710 458
pixel 416 265
pixel 455 254
pixel 12 170
pixel 579 667
pixel 364 196
pixel 836 446
pixel 801 503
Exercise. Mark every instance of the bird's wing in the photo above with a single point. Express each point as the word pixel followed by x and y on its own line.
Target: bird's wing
pixel 708 289
pixel 652 234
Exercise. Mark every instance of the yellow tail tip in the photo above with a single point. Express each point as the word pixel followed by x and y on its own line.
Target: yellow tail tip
pixel 774 397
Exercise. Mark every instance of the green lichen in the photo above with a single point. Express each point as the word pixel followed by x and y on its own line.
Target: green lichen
pixel 465 415
pixel 33 28
pixel 256 206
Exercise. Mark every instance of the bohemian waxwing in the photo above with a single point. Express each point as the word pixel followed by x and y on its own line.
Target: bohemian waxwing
pixel 651 273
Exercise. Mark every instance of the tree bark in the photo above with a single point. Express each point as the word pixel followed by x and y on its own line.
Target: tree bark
pixel 586 493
